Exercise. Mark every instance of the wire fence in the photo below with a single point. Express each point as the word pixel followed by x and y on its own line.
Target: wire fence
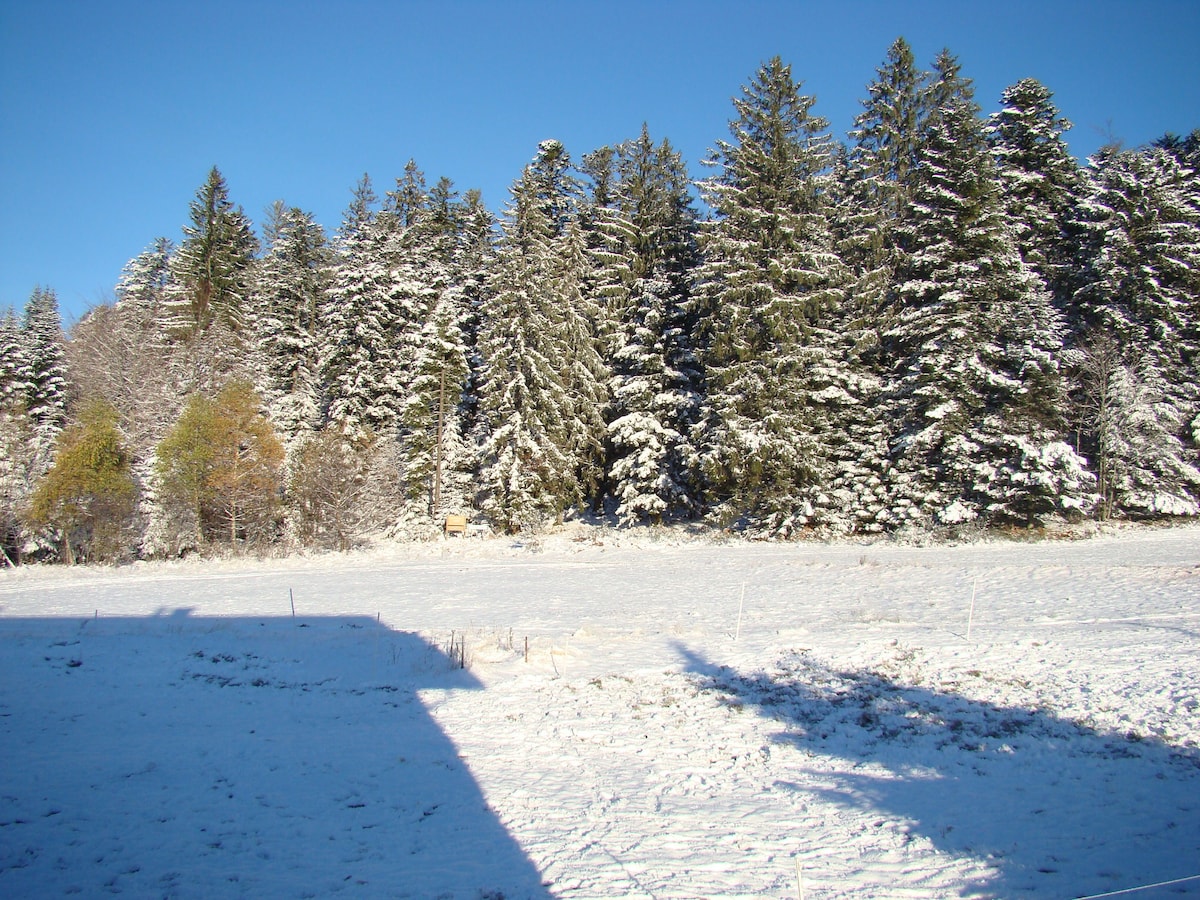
pixel 1144 887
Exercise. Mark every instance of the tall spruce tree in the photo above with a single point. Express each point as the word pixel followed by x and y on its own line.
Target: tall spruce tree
pixel 358 361
pixel 211 269
pixel 525 472
pixel 17 451
pixel 409 200
pixel 1141 219
pixel 418 248
pixel 647 254
pixel 289 289
pixel 43 368
pixel 35 423
pixel 473 272
pixel 586 374
pixel 385 281
pixel 435 449
pixel 770 274
pixel 556 192
pixel 541 388
pixel 361 211
pixel 886 138
pixel 12 365
pixel 436 412
pixel 976 394
pixel 1039 177
pixel 945 87
pixel 17 479
pixel 872 183
pixel 1147 471
pixel 1139 222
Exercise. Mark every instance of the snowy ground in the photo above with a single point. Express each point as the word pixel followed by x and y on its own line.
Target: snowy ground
pixel 692 720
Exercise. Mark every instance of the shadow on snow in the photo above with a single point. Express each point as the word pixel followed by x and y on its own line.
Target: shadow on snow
pixel 182 756
pixel 1056 809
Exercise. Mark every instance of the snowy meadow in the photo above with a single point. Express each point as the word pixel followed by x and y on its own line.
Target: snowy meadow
pixel 597 714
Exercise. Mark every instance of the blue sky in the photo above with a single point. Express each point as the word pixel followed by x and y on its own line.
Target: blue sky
pixel 111 113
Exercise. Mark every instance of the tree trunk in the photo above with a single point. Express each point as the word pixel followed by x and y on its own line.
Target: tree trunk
pixel 437 466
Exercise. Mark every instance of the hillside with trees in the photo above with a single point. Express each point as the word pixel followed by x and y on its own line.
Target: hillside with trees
pixel 942 322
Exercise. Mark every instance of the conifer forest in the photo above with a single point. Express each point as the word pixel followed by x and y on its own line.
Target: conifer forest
pixel 941 322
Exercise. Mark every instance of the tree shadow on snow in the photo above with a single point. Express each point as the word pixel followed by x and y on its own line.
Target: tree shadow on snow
pixel 182 756
pixel 1054 808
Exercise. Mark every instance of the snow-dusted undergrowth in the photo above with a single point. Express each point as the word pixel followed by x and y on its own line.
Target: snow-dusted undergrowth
pixel 636 718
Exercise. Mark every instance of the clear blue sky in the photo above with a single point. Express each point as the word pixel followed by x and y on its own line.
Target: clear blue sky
pixel 112 112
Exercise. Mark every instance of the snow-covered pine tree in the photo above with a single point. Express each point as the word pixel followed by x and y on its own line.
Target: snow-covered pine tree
pixel 1039 177
pixel 409 201
pixel 17 472
pixel 1185 149
pixel 538 349
pixel 435 450
pixel 553 187
pixel 1140 225
pixel 572 313
pixel 885 139
pixel 769 276
pixel 887 134
pixel 361 211
pixel 12 352
pixel 415 247
pixel 1147 471
pixel 586 375
pixel 435 442
pixel 358 365
pixel 444 218
pixel 871 187
pixel 384 282
pixel 646 251
pixel 874 181
pixel 289 288
pixel 17 477
pixel 43 373
pixel 210 272
pixel 606 235
pixel 975 397
pixel 342 305
pixel 944 87
pixel 1129 431
pixel 1141 214
pixel 476 258
pixel 853 371
pixel 143 283
pixel 36 413
pixel 524 470
pixel 430 353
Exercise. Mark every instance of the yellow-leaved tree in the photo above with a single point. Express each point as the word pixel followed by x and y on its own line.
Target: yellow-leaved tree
pixel 88 498
pixel 222 466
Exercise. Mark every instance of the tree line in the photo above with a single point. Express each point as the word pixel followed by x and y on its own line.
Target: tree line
pixel 942 322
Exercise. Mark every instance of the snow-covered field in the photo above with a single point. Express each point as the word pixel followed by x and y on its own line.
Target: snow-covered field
pixel 637 717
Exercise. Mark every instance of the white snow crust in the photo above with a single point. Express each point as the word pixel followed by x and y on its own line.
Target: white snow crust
pixel 693 719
